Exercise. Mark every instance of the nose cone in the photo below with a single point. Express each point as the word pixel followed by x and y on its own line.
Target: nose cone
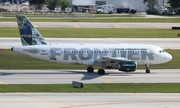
pixel 168 57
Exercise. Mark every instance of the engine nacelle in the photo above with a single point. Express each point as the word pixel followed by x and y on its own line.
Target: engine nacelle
pixel 127 66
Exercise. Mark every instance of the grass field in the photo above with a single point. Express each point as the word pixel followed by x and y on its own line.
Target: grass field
pixel 13 60
pixel 113 88
pixel 96 32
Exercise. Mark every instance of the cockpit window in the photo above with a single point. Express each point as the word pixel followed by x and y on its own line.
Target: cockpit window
pixel 161 51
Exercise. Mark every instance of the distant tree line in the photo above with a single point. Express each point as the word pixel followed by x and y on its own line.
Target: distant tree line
pixel 151 6
pixel 175 5
pixel 51 4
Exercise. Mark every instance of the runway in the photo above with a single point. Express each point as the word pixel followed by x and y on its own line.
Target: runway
pixel 89 100
pixel 166 43
pixel 67 76
pixel 94 25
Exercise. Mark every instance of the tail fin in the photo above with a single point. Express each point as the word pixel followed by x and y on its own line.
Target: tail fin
pixel 28 33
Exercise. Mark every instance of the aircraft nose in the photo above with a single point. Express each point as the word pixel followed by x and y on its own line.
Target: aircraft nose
pixel 168 57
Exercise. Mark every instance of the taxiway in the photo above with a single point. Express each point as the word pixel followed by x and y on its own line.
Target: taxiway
pixel 90 100
pixel 67 76
pixel 93 25
pixel 166 43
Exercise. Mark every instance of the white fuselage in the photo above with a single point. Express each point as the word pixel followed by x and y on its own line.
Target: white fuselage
pixel 87 54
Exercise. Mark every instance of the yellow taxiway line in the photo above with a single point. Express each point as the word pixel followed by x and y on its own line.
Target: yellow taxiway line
pixel 116 26
pixel 25 94
pixel 2 82
pixel 77 26
pixel 104 80
pixel 36 26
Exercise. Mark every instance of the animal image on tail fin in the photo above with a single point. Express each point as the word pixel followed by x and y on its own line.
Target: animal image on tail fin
pixel 28 33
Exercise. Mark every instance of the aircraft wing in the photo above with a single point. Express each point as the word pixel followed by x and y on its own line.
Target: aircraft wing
pixel 110 59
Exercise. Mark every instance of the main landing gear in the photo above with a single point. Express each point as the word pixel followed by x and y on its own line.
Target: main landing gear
pixel 147 68
pixel 90 69
pixel 101 72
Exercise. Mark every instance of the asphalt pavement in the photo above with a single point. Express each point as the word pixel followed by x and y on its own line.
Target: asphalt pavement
pixel 67 76
pixel 94 25
pixel 166 43
pixel 90 100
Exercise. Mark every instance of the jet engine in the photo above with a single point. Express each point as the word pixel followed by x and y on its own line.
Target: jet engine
pixel 127 66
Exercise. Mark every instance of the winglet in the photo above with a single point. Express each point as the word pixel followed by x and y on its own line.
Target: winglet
pixel 28 33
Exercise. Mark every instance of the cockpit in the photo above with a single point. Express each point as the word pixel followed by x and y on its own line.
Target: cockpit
pixel 161 51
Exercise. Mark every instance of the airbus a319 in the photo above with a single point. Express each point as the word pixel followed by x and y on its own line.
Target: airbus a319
pixel 122 56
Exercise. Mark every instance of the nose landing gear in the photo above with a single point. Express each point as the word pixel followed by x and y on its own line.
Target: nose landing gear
pixel 147 68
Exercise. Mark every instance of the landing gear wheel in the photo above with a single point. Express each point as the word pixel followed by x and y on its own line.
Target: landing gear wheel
pixel 90 69
pixel 147 68
pixel 147 71
pixel 101 72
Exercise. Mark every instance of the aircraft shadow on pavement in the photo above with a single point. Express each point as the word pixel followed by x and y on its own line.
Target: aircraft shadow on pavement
pixel 86 75
pixel 26 73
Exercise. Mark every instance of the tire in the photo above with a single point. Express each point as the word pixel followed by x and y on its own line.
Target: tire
pixel 101 72
pixel 147 71
pixel 90 69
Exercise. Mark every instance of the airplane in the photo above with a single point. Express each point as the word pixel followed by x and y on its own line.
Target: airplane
pixel 122 56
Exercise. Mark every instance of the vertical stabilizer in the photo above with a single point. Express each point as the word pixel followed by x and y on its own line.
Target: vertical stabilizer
pixel 28 33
